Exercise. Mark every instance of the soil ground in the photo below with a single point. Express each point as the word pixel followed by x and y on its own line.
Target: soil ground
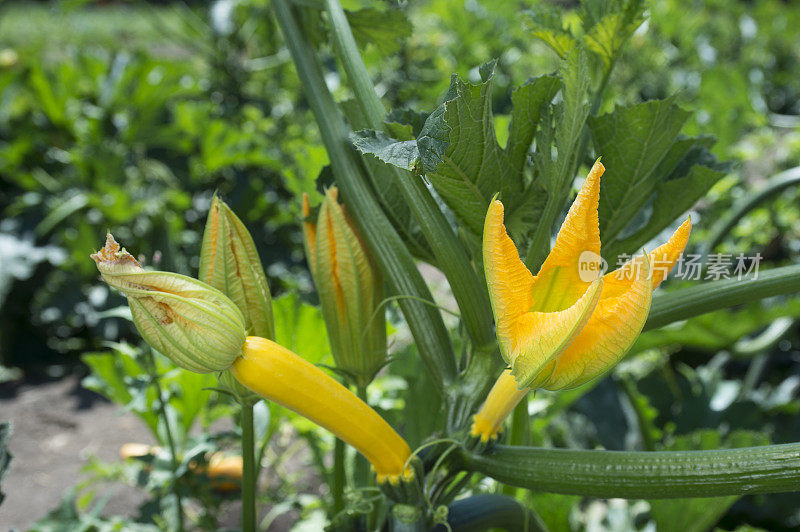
pixel 57 427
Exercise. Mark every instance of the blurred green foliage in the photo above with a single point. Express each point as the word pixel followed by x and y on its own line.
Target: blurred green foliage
pixel 129 117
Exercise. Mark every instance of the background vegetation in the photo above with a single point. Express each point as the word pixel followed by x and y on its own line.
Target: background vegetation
pixel 129 116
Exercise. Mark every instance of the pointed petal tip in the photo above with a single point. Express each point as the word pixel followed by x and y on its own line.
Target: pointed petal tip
pixel 597 170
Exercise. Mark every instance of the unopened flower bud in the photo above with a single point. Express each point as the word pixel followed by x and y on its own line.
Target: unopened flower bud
pixel 350 290
pixel 193 324
pixel 229 262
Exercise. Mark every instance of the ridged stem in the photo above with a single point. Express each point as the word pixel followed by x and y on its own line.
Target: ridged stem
pixel 642 475
pixel 391 254
pixel 714 295
pixel 155 379
pixel 338 477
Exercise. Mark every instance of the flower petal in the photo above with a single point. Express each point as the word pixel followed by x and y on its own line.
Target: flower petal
pixel 560 281
pixel 662 260
pixel 538 338
pixel 501 400
pixel 507 278
pixel 530 340
pixel 664 257
pixel 610 331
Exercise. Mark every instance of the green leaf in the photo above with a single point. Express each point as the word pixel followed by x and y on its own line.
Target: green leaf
pixel 385 29
pixel 300 328
pixel 611 24
pixel 461 156
pixel 527 102
pixel 699 515
pixel 545 23
pixel 694 173
pixel 634 143
pixel 562 130
pixel 570 118
pixel 401 153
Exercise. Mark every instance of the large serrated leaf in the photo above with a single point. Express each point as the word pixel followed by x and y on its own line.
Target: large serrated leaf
pixel 634 142
pixel 400 153
pixel 461 156
pixel 528 101
pixel 694 172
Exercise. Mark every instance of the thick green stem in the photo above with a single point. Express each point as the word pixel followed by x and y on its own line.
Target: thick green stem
pixel 162 413
pixel 451 257
pixel 393 257
pixel 249 479
pixel 714 295
pixel 362 473
pixel 643 475
pixel 519 432
pixel 338 482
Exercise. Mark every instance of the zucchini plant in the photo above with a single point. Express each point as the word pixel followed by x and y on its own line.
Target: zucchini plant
pixel 536 315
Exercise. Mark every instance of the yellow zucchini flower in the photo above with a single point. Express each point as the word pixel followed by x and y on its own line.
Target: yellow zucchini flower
pixel 203 330
pixel 568 324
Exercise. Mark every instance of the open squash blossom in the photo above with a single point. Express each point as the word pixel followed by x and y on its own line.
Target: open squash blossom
pixel 350 289
pixel 280 375
pixel 193 324
pixel 566 325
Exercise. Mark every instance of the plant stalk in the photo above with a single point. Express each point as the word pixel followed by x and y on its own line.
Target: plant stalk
pixel 337 484
pixel 392 255
pixel 162 412
pixel 642 475
pixel 714 295
pixel 249 479
pixel 451 257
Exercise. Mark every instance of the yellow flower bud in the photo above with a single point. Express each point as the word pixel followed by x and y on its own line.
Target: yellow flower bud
pixel 350 290
pixel 193 324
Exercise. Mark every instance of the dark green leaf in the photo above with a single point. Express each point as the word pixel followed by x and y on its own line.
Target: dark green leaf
pixel 402 153
pixel 527 102
pixel 634 143
pixel 695 172
pixel 461 156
